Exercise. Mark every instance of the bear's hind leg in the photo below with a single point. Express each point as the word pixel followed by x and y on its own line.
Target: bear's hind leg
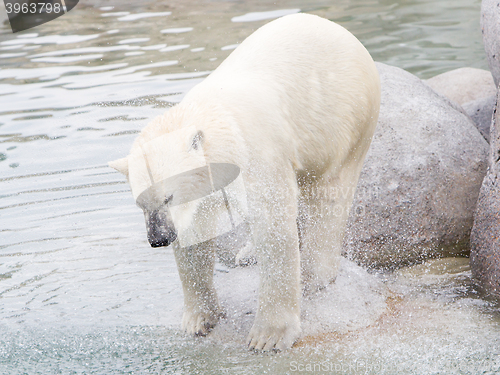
pixel 320 240
pixel 324 206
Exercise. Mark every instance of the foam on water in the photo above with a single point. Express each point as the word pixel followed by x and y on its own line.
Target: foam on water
pixel 356 300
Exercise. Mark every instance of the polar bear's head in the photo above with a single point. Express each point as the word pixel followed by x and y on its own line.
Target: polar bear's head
pixel 167 171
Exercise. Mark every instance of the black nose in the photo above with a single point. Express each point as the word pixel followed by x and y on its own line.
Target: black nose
pixel 161 231
pixel 161 241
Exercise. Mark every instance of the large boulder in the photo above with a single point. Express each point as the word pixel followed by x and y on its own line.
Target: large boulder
pixel 490 25
pixel 464 85
pixel 485 236
pixel 474 89
pixel 421 178
pixel 481 112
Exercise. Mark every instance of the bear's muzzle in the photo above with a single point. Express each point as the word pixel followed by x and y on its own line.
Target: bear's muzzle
pixel 161 230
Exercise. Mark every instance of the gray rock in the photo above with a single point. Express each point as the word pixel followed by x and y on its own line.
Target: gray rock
pixel 490 25
pixel 420 180
pixel 481 112
pixel 485 235
pixel 464 85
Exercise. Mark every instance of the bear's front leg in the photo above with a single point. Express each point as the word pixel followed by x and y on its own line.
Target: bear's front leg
pixel 277 322
pixel 201 307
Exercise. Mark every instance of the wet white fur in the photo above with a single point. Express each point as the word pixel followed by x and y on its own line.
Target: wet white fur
pixel 295 107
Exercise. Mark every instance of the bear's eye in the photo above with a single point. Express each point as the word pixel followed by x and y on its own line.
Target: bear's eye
pixel 168 200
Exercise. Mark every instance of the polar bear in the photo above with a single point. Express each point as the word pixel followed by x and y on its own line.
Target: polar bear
pixel 294 107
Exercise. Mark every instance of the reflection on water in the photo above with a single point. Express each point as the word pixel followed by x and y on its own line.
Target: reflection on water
pixel 81 291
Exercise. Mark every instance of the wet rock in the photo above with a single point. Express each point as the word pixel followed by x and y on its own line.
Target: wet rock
pixel 490 25
pixel 481 112
pixel 485 235
pixel 464 85
pixel 420 181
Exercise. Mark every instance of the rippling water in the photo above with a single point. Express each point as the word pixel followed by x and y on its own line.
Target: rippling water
pixel 81 291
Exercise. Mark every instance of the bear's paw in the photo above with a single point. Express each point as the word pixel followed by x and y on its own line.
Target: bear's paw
pixel 274 334
pixel 200 323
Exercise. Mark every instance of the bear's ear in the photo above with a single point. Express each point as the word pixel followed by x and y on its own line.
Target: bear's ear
pixel 197 140
pixel 121 165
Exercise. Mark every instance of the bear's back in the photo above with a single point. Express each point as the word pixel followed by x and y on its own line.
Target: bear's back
pixel 305 82
pixel 292 47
